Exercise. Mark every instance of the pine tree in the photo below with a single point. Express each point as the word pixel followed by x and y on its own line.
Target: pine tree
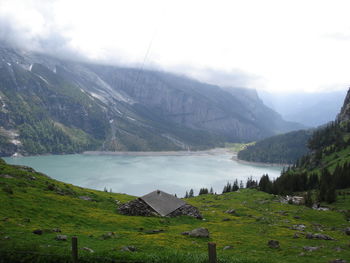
pixel 191 193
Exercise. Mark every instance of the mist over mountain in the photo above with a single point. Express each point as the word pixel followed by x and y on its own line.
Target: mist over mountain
pixel 51 105
pixel 310 109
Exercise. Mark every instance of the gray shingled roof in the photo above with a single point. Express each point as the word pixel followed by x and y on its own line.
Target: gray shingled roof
pixel 162 202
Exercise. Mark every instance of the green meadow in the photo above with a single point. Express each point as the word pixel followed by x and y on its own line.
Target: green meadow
pixel 32 201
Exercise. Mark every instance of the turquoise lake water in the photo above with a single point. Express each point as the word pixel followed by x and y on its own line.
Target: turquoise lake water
pixel 138 175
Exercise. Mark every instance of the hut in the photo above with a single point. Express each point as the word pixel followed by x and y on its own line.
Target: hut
pixel 159 203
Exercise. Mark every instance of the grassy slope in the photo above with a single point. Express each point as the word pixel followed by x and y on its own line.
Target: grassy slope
pixel 258 220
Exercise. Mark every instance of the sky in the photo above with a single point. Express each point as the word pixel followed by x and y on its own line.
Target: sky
pixel 273 45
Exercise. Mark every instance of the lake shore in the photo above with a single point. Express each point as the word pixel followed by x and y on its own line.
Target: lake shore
pixel 235 158
pixel 215 151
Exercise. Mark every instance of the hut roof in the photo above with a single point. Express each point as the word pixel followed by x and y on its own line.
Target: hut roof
pixel 162 202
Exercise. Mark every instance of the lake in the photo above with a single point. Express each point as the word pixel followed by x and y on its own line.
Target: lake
pixel 138 175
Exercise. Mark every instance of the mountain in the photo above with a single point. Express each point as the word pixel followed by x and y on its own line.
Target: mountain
pixel 284 148
pixel 50 105
pixel 310 109
pixel 326 167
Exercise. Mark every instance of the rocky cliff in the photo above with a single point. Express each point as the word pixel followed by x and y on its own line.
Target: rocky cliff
pixel 344 114
pixel 48 105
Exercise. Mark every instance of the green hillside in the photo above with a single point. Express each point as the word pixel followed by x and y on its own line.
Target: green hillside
pixel 32 201
pixel 284 148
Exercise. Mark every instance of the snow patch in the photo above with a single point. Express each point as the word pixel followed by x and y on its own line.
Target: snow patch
pixel 43 79
pixel 30 67
pixel 111 121
pixel 16 142
pixel 130 118
pixel 8 63
pixel 97 96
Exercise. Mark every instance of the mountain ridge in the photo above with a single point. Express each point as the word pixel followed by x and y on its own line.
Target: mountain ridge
pixel 62 106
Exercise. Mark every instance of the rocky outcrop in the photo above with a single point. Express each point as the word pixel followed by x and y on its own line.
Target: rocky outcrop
pixel 344 114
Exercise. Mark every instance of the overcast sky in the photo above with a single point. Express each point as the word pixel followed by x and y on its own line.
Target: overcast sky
pixel 275 45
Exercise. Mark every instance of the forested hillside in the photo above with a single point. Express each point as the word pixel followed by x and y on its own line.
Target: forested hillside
pixel 283 149
pixel 327 166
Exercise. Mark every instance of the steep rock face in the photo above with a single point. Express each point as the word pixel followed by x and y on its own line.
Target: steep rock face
pixel 57 106
pixel 344 114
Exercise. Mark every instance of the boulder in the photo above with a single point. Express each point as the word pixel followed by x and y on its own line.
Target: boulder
pixel 318 236
pixel 61 238
pixel 108 235
pixel 87 249
pixel 227 247
pixel 38 232
pixel 296 235
pixel 273 244
pixel 57 230
pixel 298 227
pixel 347 231
pixel 338 261
pixel 86 198
pixel 128 248
pixel 199 232
pixel 230 211
pixel 338 249
pixel 154 231
pixel 306 248
pixel 6 176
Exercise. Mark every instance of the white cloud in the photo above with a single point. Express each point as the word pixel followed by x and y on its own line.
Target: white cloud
pixel 285 45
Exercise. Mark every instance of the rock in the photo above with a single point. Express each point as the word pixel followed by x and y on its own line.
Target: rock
pixel 87 249
pixel 186 233
pixel 108 235
pixel 86 198
pixel 298 227
pixel 273 244
pixel 199 232
pixel 7 238
pixel 306 248
pixel 38 232
pixel 338 261
pixel 154 231
pixel 128 248
pixel 57 230
pixel 230 211
pixel 226 219
pixel 296 235
pixel 6 176
pixel 297 217
pixel 347 231
pixel 338 249
pixel 61 238
pixel 227 247
pixel 318 236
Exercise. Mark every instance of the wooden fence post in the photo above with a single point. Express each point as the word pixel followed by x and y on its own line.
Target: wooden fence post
pixel 212 252
pixel 75 249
